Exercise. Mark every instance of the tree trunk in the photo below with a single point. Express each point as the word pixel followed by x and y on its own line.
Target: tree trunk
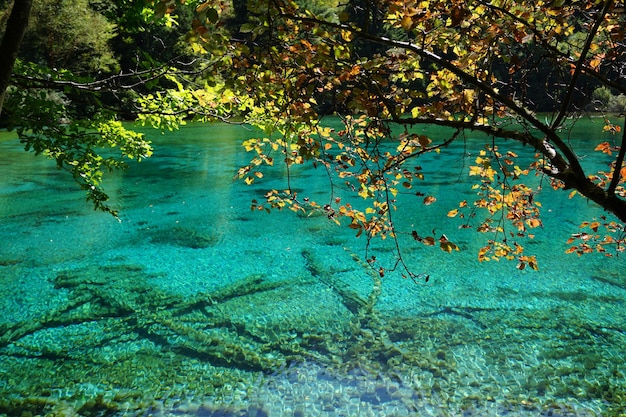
pixel 11 41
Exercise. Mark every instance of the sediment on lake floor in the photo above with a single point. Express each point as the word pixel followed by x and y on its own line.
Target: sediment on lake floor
pixel 117 329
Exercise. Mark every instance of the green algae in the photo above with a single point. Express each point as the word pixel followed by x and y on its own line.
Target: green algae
pixel 115 326
pixel 615 396
pixel 185 237
pixel 610 278
pixel 118 329
pixel 9 262
pixel 119 298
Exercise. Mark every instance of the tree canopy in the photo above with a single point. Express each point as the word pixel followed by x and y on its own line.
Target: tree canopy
pixel 383 67
pixel 81 69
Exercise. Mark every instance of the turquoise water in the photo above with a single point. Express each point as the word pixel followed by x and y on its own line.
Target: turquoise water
pixel 194 305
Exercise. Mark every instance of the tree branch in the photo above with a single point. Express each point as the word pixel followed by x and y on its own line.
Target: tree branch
pixel 568 161
pixel 538 36
pixel 619 162
pixel 113 83
pixel 579 66
pixel 565 164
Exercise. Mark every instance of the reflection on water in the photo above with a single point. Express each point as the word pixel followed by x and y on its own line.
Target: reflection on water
pixel 195 305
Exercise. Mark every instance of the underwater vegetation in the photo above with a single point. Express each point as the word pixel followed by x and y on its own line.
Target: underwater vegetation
pixel 119 345
pixel 184 237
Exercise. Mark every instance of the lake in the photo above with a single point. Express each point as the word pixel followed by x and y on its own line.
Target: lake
pixel 195 305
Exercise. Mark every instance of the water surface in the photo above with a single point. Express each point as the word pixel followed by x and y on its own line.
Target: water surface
pixel 193 304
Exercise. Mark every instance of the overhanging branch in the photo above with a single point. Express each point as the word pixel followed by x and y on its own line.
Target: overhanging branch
pixel 565 164
pixel 568 161
pixel 619 162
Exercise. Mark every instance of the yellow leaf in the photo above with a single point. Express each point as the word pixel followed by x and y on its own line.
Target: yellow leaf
pixel 448 246
pixel 483 252
pixel 453 213
pixel 358 216
pixel 533 222
pixel 429 200
pixel 469 95
pixel 474 170
pixel 407 23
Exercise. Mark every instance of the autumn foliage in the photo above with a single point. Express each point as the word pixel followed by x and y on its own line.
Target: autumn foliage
pixel 512 71
pixel 385 67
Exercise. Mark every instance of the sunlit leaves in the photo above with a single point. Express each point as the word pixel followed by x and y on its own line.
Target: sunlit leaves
pixel 497 250
pixel 446 245
pixel 132 144
pixel 510 208
pixel 601 236
pixel 611 128
pixel 483 167
pixel 530 261
pixel 428 200
pixel 465 65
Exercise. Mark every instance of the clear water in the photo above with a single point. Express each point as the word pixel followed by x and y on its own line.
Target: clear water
pixel 195 305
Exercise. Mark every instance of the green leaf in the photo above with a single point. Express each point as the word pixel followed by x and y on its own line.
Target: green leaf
pixel 212 15
pixel 160 10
